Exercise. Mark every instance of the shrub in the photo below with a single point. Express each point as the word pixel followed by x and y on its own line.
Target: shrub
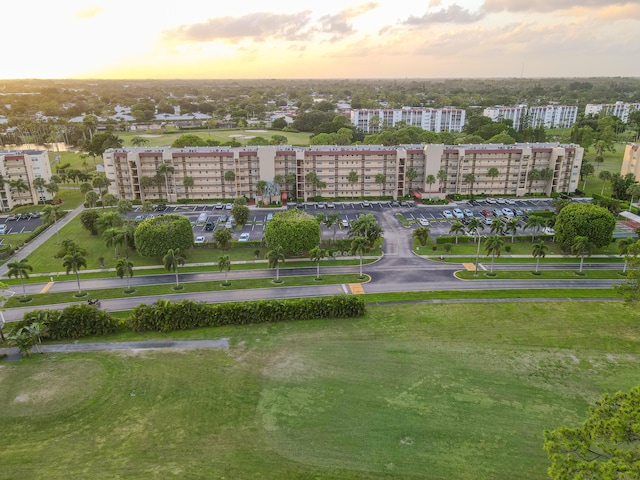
pixel 72 322
pixel 166 316
pixel 154 237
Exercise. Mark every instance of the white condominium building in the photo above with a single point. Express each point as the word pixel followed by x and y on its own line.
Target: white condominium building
pixel 631 160
pixel 431 119
pixel 553 116
pixel 498 113
pixel 19 169
pixel 343 171
pixel 618 109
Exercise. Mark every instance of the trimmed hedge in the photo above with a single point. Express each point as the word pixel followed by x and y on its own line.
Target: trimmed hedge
pixel 165 316
pixel 72 322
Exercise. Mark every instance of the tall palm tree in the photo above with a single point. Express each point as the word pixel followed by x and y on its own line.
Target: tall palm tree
pixel 430 180
pixel 497 227
pixel 124 268
pixel 512 227
pixel 456 229
pixel 582 247
pixel 539 251
pixel 333 220
pixel 470 178
pixel 290 179
pixel 124 206
pixel 52 188
pixel 546 174
pixel 165 170
pixel 20 269
pixel 74 262
pixel 113 238
pixel 442 177
pixel 624 248
pixel 188 183
pixel 19 186
pixel 274 257
pixel 359 246
pixel 39 184
pixel 493 246
pixel 605 176
pixel 224 265
pixel 261 185
pixel 101 182
pixel 145 184
pixel 493 173
pixel 533 176
pixel 316 254
pixel 474 225
pixel 128 238
pixel 50 215
pixel 352 177
pixel 411 175
pixel 535 222
pixel 381 179
pixel 139 141
pixel 229 177
pixel 172 260
pixel 86 187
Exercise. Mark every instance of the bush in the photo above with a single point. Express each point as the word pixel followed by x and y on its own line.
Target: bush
pixel 154 237
pixel 167 316
pixel 72 322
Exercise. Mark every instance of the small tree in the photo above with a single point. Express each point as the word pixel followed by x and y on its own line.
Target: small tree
pixel 240 213
pixel 222 238
pixel 381 179
pixel 172 260
pixel 20 269
pixel 539 251
pixel 422 234
pixel 470 178
pixel 456 229
pixel 493 173
pixel 474 226
pixel 188 183
pixel 352 178
pixel 91 198
pixel 512 227
pixel 316 254
pixel 359 246
pixel 73 262
pixel 493 246
pixel 430 180
pixel 624 249
pixel 124 268
pixel 333 221
pixel 274 257
pixel 224 265
pixel 582 246
pixel 535 223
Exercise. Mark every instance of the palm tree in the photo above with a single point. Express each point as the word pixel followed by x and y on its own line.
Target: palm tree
pixel 546 174
pixel 139 141
pixel 333 220
pixel 261 185
pixel 290 179
pixel 19 186
pixel 124 207
pixel 224 265
pixel 188 183
pixel 172 260
pixel 534 222
pixel 145 184
pixel 164 169
pixel 442 177
pixel 229 177
pixel 113 238
pixel 352 177
pixel 430 180
pixel 411 175
pixel 533 176
pixel 493 247
pixel 86 187
pixel 512 227
pixel 497 227
pixel 50 215
pixel 39 184
pixel 470 178
pixel 633 191
pixel 456 229
pixel 381 179
pixel 624 249
pixel 316 254
pixel 52 188
pixel 539 251
pixel 128 238
pixel 475 225
pixel 20 269
pixel 124 268
pixel 605 176
pixel 74 262
pixel 493 173
pixel 274 257
pixel 101 182
pixel 359 246
pixel 582 246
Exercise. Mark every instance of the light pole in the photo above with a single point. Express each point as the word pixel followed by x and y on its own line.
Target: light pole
pixel 475 274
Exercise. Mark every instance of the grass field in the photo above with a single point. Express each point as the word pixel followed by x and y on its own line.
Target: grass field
pixel 415 391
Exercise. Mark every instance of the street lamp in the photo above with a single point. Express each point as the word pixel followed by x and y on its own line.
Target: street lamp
pixel 475 274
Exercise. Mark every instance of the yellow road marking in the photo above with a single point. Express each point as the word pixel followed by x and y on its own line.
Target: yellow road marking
pixel 46 288
pixel 356 288
pixel 471 267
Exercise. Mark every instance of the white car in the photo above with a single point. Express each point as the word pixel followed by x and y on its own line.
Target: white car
pixel 510 201
pixel 488 221
pixel 468 213
pixel 491 200
pixel 548 231
pixel 423 222
pixel 331 205
pixel 507 212
pixel 199 240
pixel 244 237
pixel 345 223
pixel 447 214
pixel 458 213
pixel 366 204
pixel 228 206
pixel 501 201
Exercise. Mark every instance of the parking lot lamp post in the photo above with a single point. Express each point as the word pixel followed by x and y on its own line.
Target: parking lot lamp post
pixel 475 274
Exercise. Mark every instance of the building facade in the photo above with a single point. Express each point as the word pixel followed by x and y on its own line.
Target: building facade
pixel 631 161
pixel 342 171
pixel 553 116
pixel 431 119
pixel 516 114
pixel 24 165
pixel 618 109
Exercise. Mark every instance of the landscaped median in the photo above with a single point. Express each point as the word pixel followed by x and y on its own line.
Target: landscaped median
pixel 542 275
pixel 188 287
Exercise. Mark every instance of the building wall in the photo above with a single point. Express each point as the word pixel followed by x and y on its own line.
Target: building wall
pixel 378 171
pixel 431 119
pixel 618 109
pixel 631 160
pixel 26 165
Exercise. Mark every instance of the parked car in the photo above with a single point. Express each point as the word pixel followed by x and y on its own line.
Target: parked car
pixel 447 214
pixel 244 237
pixel 228 206
pixel 345 223
pixel 518 212
pixel 12 217
pixel 488 221
pixel 3 228
pixel 139 218
pixel 209 226
pixel 468 213
pixel 404 203
pixel 219 206
pixel 199 239
pixel 458 213
pixel 161 207
pixel 487 213
pixel 394 204
pixel 501 201
pixel 223 218
pixel 497 212
pixel 35 214
pixel 510 201
pixel 548 231
pixel 23 216
pixel 321 205
pixel 331 205
pixel 228 225
pixel 507 212
pixel 491 200
pixel 366 203
pixel 474 203
pixel 423 222
pixel 269 216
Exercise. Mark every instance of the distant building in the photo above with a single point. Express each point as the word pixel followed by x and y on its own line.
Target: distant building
pixel 127 167
pixel 618 109
pixel 431 119
pixel 553 116
pixel 500 112
pixel 26 165
pixel 631 160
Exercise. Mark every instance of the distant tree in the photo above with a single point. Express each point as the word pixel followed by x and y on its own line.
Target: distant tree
pixel 139 141
pixel 333 221
pixel 470 179
pixel 91 198
pixel 411 175
pixel 316 254
pixel 164 170
pixel 85 188
pixel 586 170
pixel 442 177
pixel 605 446
pixel 124 206
pixel 533 176
pixel 101 182
pixel 279 123
pixel 605 176
pixel 493 173
pixel 189 140
pixel 230 177
pixel 110 200
pixel 147 207
pixel 352 178
pixel 39 184
pixel 240 214
pixel 430 180
pixel 625 249
pixel 381 179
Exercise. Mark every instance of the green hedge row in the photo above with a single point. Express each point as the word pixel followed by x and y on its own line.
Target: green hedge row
pixel 74 321
pixel 165 316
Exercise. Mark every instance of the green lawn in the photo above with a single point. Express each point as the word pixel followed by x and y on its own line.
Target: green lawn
pixel 409 391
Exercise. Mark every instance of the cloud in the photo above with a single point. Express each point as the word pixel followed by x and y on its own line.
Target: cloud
pixel 547 6
pixel 452 14
pixel 339 24
pixel 258 26
pixel 628 11
pixel 89 12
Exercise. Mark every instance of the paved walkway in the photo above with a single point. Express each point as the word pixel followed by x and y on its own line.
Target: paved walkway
pixel 223 343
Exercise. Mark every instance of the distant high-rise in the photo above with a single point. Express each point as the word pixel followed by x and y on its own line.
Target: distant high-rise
pixel 372 120
pixel 618 109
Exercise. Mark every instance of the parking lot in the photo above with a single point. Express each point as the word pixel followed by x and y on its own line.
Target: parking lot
pixel 19 223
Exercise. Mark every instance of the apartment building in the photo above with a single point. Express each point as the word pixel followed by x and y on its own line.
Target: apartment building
pixel 631 160
pixel 343 171
pixel 431 119
pixel 516 114
pixel 25 165
pixel 553 116
pixel 618 109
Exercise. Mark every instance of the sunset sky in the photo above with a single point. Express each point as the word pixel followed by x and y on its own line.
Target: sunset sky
pixel 320 39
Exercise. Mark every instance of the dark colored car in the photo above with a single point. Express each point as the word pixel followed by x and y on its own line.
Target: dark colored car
pixel 161 207
pixel 208 226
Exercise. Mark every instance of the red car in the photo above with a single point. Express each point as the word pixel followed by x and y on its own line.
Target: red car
pixel 487 213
